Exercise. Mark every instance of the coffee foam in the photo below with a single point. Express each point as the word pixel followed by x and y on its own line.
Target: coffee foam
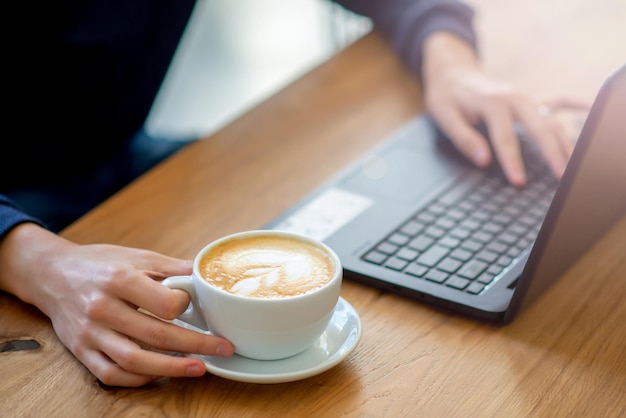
pixel 266 267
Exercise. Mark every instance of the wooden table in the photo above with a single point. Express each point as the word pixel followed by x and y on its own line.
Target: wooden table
pixel 565 356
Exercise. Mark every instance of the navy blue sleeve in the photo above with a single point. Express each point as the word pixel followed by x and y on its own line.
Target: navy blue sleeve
pixel 407 23
pixel 11 216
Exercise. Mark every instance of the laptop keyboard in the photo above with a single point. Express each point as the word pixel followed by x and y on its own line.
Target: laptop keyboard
pixel 471 233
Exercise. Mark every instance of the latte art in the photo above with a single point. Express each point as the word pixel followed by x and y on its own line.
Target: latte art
pixel 266 267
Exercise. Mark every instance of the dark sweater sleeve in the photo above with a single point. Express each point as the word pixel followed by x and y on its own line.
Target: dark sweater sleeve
pixel 406 23
pixel 11 216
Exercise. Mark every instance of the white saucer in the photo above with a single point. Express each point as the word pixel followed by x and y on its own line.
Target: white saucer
pixel 338 340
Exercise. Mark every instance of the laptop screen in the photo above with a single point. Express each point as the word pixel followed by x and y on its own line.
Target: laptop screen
pixel 590 198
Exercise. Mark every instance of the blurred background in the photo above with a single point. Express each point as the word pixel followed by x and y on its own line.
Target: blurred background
pixel 236 53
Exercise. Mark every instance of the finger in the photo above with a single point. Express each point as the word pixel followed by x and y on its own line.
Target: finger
pixel 566 103
pixel 159 266
pixel 130 357
pixel 111 374
pixel 467 140
pixel 139 290
pixel 548 134
pixel 122 362
pixel 505 142
pixel 566 140
pixel 161 334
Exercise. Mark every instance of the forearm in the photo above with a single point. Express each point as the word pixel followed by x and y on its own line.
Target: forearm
pixel 23 260
pixel 13 227
pixel 407 24
pixel 443 53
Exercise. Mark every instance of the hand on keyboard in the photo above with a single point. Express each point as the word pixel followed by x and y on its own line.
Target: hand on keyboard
pixel 459 95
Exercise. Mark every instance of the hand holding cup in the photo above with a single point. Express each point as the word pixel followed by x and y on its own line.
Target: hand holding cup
pixel 271 293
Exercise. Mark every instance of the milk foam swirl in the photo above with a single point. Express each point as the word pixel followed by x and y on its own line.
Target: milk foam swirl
pixel 266 267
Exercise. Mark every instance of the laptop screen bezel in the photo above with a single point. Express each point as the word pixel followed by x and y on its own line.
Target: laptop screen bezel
pixel 535 279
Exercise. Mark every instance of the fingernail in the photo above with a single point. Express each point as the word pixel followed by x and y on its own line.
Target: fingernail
pixel 481 157
pixel 224 350
pixel 517 179
pixel 195 370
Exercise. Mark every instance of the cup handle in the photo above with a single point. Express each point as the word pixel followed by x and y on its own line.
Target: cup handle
pixel 192 315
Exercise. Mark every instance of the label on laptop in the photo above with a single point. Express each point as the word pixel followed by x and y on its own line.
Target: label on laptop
pixel 325 214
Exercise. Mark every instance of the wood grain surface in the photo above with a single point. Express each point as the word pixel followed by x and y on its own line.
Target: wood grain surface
pixel 563 357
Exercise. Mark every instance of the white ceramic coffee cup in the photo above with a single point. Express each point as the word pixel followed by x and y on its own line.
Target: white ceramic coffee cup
pixel 262 328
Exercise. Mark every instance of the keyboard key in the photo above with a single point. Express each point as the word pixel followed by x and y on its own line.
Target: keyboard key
pixel 530 193
pixel 460 233
pixel 455 194
pixel 416 270
pixel 396 263
pixel 471 245
pixel 512 211
pixel 504 261
pixel 449 265
pixel 475 288
pixel 435 232
pixel 494 269
pixel 457 282
pixel 412 228
pixel 461 254
pixel 508 238
pixel 421 243
pixel 502 218
pixel 514 252
pixel 375 257
pixel 467 206
pixel 487 256
pixel 527 220
pixel 456 215
pixel 538 212
pixel 425 217
pixel 490 207
pixel 472 269
pixel 482 236
pixel 476 197
pixel 470 224
pixel 497 247
pixel 507 190
pixel 445 223
pixel 435 275
pixel 449 242
pixel 517 229
pixel 491 227
pixel 398 239
pixel 387 248
pixel 433 255
pixel 532 235
pixel 522 201
pixel 436 208
pixel 407 253
pixel 500 199
pixel 485 278
pixel 481 215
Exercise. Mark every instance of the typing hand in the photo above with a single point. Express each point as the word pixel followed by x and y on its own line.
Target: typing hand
pixel 459 95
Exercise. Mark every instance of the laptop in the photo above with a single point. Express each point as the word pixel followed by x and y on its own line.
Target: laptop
pixel 413 217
